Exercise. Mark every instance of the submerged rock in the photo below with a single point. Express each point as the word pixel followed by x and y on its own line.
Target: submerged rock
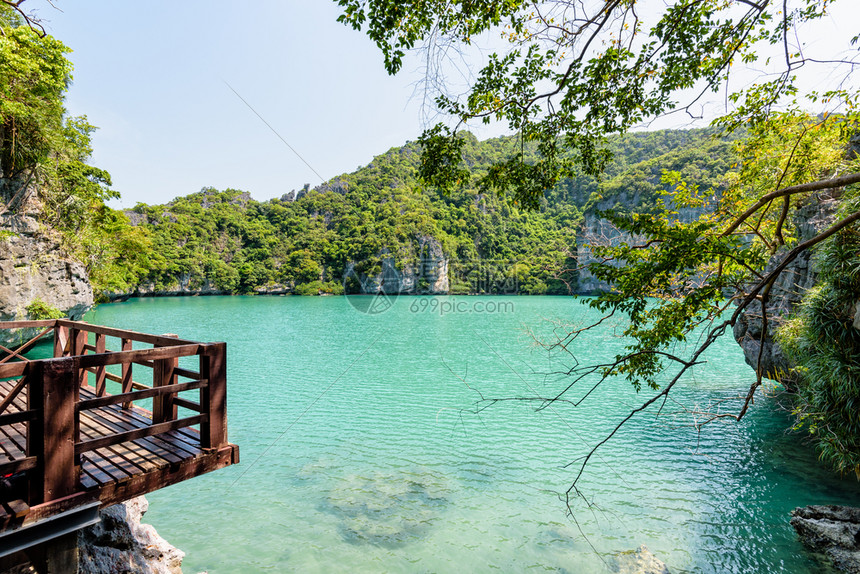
pixel 639 561
pixel 387 510
pixel 833 531
pixel 120 544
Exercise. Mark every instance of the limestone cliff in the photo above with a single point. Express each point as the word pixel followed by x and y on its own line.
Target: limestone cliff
pixel 426 274
pixel 184 286
pixel 814 216
pixel 597 231
pixel 831 531
pixel 34 267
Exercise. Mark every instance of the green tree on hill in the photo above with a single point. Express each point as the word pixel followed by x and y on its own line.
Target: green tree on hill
pixel 43 149
pixel 305 245
pixel 34 74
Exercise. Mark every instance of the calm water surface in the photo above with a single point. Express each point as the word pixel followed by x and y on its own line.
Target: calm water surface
pixel 362 451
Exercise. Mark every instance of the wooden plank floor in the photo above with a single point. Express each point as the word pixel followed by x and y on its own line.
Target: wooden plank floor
pixel 114 464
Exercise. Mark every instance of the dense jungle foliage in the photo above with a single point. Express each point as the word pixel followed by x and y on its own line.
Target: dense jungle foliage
pixel 305 243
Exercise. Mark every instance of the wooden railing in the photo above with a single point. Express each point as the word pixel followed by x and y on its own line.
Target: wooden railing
pixel 84 356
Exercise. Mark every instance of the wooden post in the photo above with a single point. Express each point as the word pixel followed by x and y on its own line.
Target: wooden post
pixel 61 339
pixel 126 373
pixel 78 339
pixel 163 408
pixel 100 370
pixel 56 431
pixel 213 397
pixel 62 554
pixel 35 430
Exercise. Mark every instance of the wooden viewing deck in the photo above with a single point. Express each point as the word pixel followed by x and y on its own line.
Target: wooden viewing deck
pixel 66 443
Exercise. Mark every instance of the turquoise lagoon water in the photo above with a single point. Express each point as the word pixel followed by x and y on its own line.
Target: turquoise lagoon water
pixel 362 450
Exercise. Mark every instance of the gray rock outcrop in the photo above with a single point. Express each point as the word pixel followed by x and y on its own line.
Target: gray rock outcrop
pixel 121 544
pixel 815 216
pixel 184 286
pixel 34 267
pixel 241 199
pixel 429 275
pixel 294 195
pixel 786 294
pixel 833 531
pixel 598 232
pixel 595 232
pixel 639 561
pixel 274 289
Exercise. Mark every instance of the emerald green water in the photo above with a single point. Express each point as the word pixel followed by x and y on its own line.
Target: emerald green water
pixel 361 450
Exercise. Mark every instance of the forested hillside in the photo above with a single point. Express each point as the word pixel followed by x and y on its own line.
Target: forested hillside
pixel 225 241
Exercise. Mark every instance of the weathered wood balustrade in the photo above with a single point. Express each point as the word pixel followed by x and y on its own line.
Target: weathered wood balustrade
pixel 65 441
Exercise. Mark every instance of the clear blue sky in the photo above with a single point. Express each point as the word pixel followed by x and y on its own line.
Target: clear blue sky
pixel 151 75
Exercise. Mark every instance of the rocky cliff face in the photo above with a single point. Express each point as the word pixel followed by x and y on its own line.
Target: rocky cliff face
pixel 833 531
pixel 33 267
pixel 596 231
pixel 428 276
pixel 185 286
pixel 121 543
pixel 815 216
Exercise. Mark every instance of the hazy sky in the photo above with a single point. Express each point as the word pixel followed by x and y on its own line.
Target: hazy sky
pixel 151 75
